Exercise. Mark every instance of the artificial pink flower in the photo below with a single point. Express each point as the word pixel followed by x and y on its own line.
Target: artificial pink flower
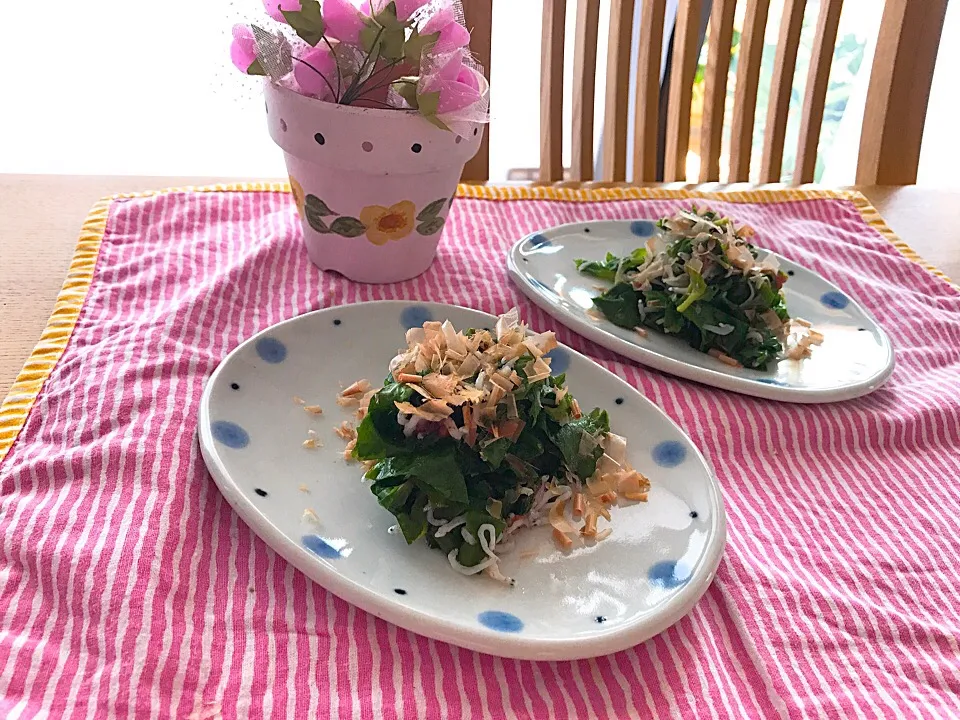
pixel 462 92
pixel 343 20
pixel 452 36
pixel 312 64
pixel 405 8
pixel 438 21
pixel 243 49
pixel 273 8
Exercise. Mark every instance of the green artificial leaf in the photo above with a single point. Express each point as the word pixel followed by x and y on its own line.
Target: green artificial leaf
pixel 370 36
pixel 348 226
pixel 415 44
pixel 620 305
pixel 318 206
pixel 307 22
pixel 384 35
pixel 431 226
pixel 428 102
pixel 391 45
pixel 432 210
pixel 256 68
pixel 434 120
pixel 406 87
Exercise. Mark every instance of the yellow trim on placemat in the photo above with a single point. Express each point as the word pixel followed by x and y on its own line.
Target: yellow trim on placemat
pixel 869 213
pixel 53 341
pixel 550 192
pixel 24 391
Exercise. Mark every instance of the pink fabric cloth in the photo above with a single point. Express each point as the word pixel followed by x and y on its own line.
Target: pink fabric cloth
pixel 130 588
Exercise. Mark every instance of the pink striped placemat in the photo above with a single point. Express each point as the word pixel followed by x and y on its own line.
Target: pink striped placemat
pixel 130 588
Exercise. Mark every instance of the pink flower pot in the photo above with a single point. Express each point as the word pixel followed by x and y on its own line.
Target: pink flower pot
pixel 373 186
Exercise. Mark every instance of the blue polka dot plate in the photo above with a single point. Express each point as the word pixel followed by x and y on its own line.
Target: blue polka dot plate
pixel 313 508
pixel 856 356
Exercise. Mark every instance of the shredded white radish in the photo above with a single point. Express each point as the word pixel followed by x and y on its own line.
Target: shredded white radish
pixel 456 522
pixel 473 570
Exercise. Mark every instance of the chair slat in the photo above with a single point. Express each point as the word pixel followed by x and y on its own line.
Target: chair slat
pixel 781 87
pixel 815 93
pixel 684 64
pixel 478 15
pixel 584 87
pixel 715 88
pixel 615 115
pixel 551 90
pixel 647 116
pixel 745 94
pixel 899 91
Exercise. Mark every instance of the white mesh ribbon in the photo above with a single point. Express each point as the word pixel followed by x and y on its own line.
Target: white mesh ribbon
pixel 456 79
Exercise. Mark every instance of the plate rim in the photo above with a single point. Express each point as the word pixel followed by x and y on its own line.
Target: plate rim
pixel 514 646
pixel 682 369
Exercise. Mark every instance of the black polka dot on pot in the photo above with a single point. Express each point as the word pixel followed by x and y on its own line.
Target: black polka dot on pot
pixel 586 229
pixel 459 139
pixel 234 386
pixel 790 273
pixel 694 514
pixel 337 321
pixel 261 492
pixel 601 619
pixel 416 147
pixel 367 146
pixel 476 130
pixel 283 125
pixel 320 138
pixel 619 401
pixel 400 591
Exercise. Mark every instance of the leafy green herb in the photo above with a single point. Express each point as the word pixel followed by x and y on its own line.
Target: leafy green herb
pixel 611 265
pixel 570 440
pixel 725 302
pixel 620 304
pixel 695 291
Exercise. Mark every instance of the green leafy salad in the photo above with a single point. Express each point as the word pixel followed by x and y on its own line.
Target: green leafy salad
pixel 701 280
pixel 471 438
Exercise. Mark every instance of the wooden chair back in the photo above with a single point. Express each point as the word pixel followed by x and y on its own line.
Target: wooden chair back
pixel 896 104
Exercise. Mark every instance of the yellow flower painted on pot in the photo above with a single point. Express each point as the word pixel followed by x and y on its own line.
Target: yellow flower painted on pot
pixel 390 223
pixel 297 194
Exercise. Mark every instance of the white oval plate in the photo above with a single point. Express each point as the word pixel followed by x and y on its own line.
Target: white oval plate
pixel 856 356
pixel 659 560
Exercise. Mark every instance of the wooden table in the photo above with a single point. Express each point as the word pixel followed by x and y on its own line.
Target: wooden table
pixel 40 217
